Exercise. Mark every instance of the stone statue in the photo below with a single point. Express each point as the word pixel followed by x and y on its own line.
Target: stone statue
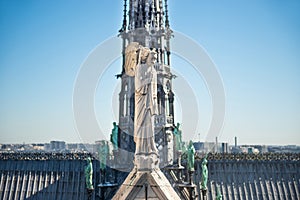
pixel 191 156
pixel 204 173
pixel 178 137
pixel 140 64
pixel 219 195
pixel 89 174
pixel 114 136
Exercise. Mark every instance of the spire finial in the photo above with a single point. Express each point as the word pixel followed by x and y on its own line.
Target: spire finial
pixel 167 15
pixel 124 17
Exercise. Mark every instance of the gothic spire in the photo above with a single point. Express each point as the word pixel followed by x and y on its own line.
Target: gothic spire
pixel 143 13
pixel 124 26
pixel 167 14
pixel 148 25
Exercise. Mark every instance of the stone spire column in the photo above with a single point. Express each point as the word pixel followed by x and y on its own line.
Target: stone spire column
pixel 144 70
pixel 146 22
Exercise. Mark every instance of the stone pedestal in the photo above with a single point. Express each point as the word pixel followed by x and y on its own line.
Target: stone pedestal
pixel 151 184
pixel 204 194
pixel 179 154
pixel 116 157
pixel 103 188
pixel 90 192
pixel 146 162
pixel 146 181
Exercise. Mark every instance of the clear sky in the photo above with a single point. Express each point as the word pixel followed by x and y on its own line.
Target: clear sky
pixel 254 44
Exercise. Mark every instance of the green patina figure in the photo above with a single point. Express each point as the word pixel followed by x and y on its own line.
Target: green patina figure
pixel 204 173
pixel 219 195
pixel 191 156
pixel 89 174
pixel 103 153
pixel 184 150
pixel 178 137
pixel 114 136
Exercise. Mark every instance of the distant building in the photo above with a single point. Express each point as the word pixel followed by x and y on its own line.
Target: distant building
pixel 99 144
pixel 57 146
pixel 199 146
pixel 284 149
pixel 205 147
pixel 47 147
pixel 38 147
pixel 235 149
pixel 224 147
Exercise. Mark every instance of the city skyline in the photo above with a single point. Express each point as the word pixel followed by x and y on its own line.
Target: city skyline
pixel 253 44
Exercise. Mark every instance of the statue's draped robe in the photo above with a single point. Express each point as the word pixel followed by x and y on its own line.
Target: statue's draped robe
pixel 145 109
pixel 204 174
pixel 191 157
pixel 114 137
pixel 89 175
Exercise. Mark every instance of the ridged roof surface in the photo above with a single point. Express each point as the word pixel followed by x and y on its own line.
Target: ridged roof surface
pixel 271 176
pixel 61 176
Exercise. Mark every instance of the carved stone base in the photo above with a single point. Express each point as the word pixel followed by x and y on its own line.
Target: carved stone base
pixel 146 162
pixel 146 185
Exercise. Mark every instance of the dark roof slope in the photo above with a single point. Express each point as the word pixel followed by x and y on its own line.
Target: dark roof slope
pixel 61 176
pixel 262 178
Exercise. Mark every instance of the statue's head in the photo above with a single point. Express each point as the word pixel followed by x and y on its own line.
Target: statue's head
pixel 152 57
pixel 204 162
pixel 144 51
pixel 178 124
pixel 114 123
pixel 136 54
pixel 88 159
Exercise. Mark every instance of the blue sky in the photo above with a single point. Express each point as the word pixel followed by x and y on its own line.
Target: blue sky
pixel 254 44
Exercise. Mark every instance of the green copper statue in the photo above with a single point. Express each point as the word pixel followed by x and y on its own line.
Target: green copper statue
pixel 204 174
pixel 89 174
pixel 114 136
pixel 219 195
pixel 103 153
pixel 191 156
pixel 184 148
pixel 178 137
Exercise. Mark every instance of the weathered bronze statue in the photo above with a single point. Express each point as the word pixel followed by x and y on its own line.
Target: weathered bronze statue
pixel 89 174
pixel 178 137
pixel 219 195
pixel 191 156
pixel 204 174
pixel 114 136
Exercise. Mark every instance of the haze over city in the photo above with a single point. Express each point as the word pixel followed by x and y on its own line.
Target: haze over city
pixel 254 46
